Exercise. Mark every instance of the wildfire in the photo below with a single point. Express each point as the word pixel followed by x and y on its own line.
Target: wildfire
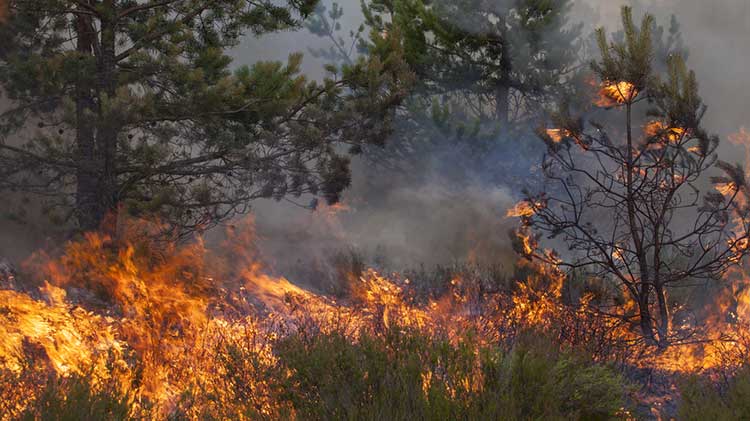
pixel 162 324
pixel 742 138
pixel 726 189
pixel 557 135
pixel 72 339
pixel 611 94
pixel 658 128
pixel 523 209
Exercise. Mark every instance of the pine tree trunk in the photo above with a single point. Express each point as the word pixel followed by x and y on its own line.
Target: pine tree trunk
pixel 108 128
pixel 644 311
pixel 502 97
pixel 97 129
pixel 502 94
pixel 87 178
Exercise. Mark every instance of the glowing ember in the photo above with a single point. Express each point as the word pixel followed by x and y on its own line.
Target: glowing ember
pixel 612 94
pixel 523 209
pixel 742 138
pixel 726 189
pixel 657 128
pixel 557 135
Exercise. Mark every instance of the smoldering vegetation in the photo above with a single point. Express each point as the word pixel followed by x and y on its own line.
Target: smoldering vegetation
pixel 406 299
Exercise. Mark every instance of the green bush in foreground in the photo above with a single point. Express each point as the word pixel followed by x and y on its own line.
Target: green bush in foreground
pixel 404 376
pixel 701 400
pixel 74 399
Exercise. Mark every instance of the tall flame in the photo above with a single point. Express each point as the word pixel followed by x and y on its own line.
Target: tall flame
pixel 163 320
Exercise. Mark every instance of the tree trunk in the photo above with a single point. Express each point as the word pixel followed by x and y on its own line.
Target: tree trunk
pixel 644 313
pixel 108 126
pixel 502 92
pixel 96 125
pixel 663 323
pixel 87 174
pixel 502 97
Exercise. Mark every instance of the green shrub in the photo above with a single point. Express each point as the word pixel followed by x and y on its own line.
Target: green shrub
pixel 387 378
pixel 702 399
pixel 75 398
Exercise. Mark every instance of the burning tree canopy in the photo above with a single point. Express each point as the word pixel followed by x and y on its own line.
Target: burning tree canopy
pixel 634 206
pixel 136 108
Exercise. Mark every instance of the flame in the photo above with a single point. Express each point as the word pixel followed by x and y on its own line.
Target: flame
pixel 162 320
pixel 159 319
pixel 614 93
pixel 658 128
pixel 523 209
pixel 71 339
pixel 557 135
pixel 726 189
pixel 742 138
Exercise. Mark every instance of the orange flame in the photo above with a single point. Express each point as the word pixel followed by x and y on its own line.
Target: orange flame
pixel 658 128
pixel 557 135
pixel 726 189
pixel 611 94
pixel 158 318
pixel 523 209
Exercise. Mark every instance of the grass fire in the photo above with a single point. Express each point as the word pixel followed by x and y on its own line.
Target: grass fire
pixel 449 210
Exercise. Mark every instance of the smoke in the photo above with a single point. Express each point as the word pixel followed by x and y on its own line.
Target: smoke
pixel 715 34
pixel 435 219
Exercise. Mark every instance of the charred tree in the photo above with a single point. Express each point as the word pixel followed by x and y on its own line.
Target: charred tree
pixel 631 195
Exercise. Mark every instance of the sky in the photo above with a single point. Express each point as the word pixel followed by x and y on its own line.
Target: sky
pixel 431 223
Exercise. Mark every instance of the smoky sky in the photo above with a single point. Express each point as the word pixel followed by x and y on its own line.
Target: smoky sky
pixel 432 222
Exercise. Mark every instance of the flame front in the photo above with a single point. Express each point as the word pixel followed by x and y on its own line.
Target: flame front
pixel 163 324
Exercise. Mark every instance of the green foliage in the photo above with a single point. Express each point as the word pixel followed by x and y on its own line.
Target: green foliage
pixel 146 110
pixel 471 51
pixel 327 24
pixel 701 399
pixel 409 376
pixel 483 70
pixel 76 398
pixel 629 60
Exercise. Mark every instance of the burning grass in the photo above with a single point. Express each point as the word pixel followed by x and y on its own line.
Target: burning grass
pixel 143 329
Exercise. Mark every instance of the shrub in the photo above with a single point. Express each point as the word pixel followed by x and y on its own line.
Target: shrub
pixel 75 398
pixel 702 399
pixel 409 376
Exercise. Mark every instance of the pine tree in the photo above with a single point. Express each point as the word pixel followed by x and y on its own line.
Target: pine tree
pixel 628 193
pixel 123 105
pixel 498 61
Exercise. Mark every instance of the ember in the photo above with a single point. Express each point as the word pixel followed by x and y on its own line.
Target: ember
pixel 614 93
